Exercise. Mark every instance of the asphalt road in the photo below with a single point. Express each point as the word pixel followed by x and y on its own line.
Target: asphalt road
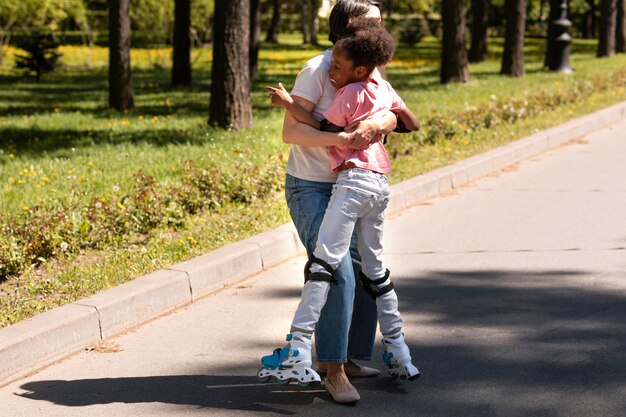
pixel 513 291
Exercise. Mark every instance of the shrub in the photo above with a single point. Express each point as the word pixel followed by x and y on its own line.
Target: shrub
pixel 440 127
pixel 12 258
pixel 42 233
pixel 412 31
pixel 41 55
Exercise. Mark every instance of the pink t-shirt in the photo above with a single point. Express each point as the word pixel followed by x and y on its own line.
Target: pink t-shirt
pixel 356 102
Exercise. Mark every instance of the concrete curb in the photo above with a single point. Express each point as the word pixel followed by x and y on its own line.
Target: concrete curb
pixel 35 343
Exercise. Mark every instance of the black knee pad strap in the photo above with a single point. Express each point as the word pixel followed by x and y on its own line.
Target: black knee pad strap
pixel 371 285
pixel 319 276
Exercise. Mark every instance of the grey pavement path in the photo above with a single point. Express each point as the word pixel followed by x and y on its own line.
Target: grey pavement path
pixel 513 291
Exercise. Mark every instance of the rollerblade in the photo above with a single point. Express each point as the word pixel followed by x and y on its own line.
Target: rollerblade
pixel 398 358
pixel 291 363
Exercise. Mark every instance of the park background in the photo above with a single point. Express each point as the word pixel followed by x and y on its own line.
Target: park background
pixel 95 192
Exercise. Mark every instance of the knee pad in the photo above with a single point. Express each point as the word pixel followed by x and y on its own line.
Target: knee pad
pixel 371 286
pixel 319 276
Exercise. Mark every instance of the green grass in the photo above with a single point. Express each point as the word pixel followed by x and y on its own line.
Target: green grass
pixel 61 147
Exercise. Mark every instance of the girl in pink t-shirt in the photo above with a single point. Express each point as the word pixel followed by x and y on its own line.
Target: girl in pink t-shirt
pixel 359 199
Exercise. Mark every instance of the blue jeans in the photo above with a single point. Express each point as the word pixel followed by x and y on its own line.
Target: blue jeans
pixel 347 325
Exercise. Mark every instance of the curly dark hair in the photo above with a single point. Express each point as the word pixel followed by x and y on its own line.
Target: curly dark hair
pixel 368 44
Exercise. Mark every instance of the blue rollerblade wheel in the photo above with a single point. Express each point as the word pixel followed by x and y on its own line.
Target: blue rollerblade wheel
pixel 283 381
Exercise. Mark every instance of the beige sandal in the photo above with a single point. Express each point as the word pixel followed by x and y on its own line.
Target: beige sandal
pixel 343 397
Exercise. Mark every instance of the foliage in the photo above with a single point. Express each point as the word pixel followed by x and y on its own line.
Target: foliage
pixel 503 111
pixel 153 20
pixel 42 16
pixel 41 55
pixel 40 234
pixel 408 6
pixel 413 30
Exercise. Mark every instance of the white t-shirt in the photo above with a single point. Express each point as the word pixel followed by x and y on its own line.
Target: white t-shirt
pixel 313 84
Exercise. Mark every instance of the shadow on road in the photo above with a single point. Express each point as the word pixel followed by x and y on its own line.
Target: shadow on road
pixel 204 391
pixel 488 343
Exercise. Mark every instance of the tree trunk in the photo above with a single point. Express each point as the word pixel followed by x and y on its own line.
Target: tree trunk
pixel 230 105
pixel 305 21
pixel 120 82
pixel 181 61
pixel 255 38
pixel 620 28
pixel 310 21
pixel 272 31
pixel 480 20
pixel 389 7
pixel 513 55
pixel 589 22
pixel 453 54
pixel 555 14
pixel 314 20
pixel 608 17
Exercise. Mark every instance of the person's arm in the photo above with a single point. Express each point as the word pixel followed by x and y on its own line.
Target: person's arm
pixel 363 132
pixel 409 120
pixel 296 133
pixel 281 98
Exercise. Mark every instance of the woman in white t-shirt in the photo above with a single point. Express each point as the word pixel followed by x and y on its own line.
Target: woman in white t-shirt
pixel 347 326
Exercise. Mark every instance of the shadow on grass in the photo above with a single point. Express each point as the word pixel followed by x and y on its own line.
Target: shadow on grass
pixel 34 141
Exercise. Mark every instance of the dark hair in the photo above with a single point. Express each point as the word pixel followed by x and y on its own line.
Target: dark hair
pixel 368 44
pixel 342 12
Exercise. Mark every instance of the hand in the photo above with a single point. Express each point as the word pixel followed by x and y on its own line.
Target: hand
pixel 361 134
pixel 279 96
pixel 344 139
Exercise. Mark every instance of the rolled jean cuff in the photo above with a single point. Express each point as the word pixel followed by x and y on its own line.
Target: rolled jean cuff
pixel 320 360
pixel 361 358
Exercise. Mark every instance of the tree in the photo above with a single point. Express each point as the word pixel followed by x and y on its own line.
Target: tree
pixel 120 83
pixel 34 18
pixel 40 56
pixel 555 14
pixel 310 21
pixel 589 21
pixel 480 20
pixel 255 38
pixel 230 105
pixel 181 57
pixel 513 55
pixel 152 20
pixel 453 54
pixel 608 17
pixel 620 28
pixel 8 18
pixel 274 27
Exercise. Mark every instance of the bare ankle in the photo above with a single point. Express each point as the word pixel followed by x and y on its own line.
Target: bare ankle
pixel 334 368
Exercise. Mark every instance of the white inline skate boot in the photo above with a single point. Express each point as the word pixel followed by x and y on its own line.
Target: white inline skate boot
pixel 291 363
pixel 398 358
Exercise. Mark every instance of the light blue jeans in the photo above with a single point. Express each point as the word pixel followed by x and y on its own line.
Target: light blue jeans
pixel 347 325
pixel 358 203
